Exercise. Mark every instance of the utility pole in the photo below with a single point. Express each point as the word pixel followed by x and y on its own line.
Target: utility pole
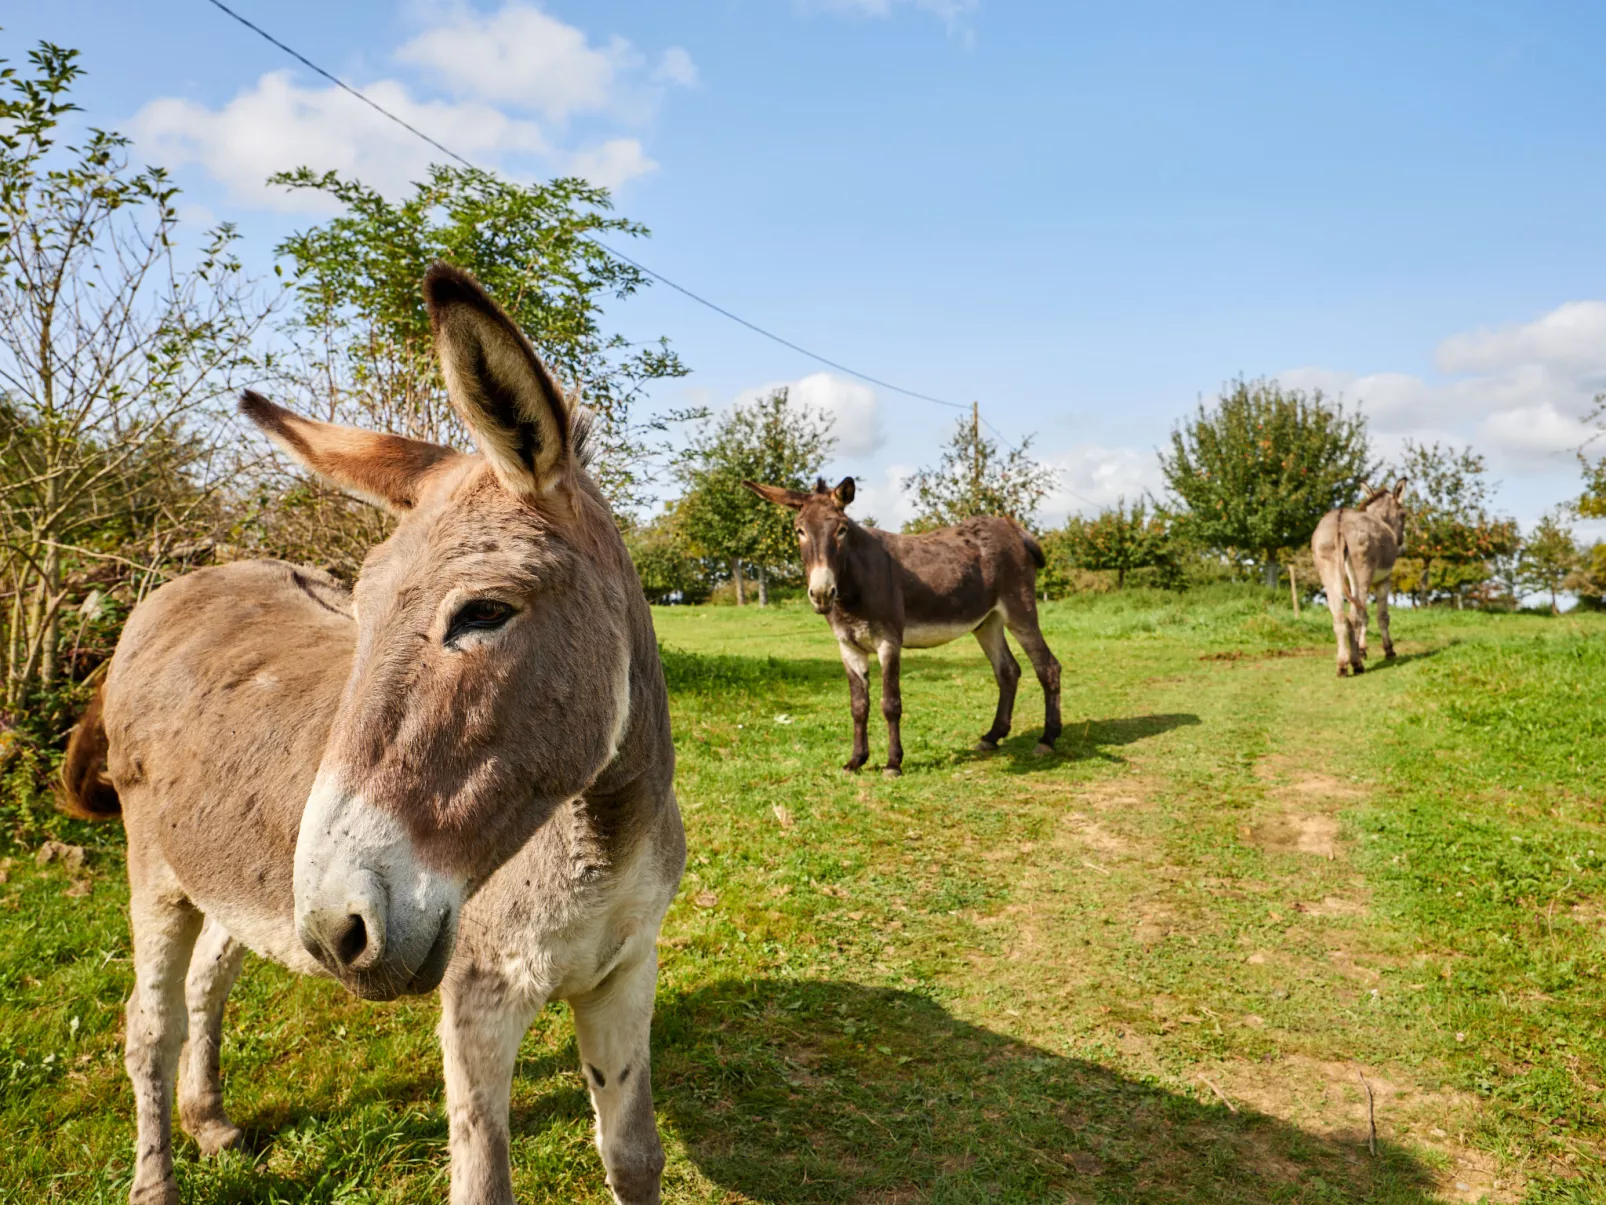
pixel 975 455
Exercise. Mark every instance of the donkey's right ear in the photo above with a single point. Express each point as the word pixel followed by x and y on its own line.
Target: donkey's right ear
pixel 498 385
pixel 778 494
pixel 386 470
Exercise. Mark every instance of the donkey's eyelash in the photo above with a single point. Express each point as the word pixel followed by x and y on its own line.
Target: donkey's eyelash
pixel 478 615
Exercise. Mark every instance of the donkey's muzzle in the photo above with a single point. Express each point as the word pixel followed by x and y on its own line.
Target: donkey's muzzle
pixel 823 600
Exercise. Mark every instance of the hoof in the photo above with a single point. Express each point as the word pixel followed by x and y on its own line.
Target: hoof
pixel 1388 654
pixel 1043 749
pixel 851 767
pixel 215 1136
pixel 1357 668
pixel 986 746
pixel 891 772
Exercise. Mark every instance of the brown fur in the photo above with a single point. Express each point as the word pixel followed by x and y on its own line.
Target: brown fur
pixel 531 761
pixel 1355 550
pixel 888 591
pixel 86 791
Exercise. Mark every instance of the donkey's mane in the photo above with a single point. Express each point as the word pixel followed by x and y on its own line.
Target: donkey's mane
pixel 582 434
pixel 1371 498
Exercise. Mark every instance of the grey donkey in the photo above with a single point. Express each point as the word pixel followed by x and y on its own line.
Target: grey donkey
pixel 1355 550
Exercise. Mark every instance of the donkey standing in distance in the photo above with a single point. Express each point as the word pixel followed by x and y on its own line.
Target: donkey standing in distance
pixel 1355 551
pixel 884 592
pixel 460 774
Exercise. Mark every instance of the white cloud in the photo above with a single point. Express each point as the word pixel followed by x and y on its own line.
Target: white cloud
pixel 951 12
pixel 612 163
pixel 527 58
pixel 1091 477
pixel 503 74
pixel 883 499
pixel 277 125
pixel 1518 393
pixel 856 421
pixel 675 67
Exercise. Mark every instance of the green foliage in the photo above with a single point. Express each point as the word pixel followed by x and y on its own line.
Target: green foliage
pixel 772 440
pixel 1451 540
pixel 1549 558
pixel 1118 538
pixel 356 284
pixel 669 568
pixel 973 479
pixel 1256 473
pixel 1592 504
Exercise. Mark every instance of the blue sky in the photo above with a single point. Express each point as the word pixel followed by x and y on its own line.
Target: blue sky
pixel 1086 216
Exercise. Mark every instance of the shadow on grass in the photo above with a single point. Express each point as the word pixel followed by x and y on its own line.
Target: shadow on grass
pixel 1088 739
pixel 1381 663
pixel 731 673
pixel 789 1091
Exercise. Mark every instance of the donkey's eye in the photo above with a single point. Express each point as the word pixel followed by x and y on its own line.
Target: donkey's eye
pixel 841 534
pixel 478 615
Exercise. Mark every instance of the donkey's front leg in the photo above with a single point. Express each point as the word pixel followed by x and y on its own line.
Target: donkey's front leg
pixel 165 927
pixel 890 654
pixel 483 1019
pixel 613 1027
pixel 857 663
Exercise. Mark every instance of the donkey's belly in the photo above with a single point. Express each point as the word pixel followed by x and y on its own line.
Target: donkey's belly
pixel 930 635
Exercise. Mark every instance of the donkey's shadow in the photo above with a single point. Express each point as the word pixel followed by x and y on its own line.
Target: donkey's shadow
pixel 1085 739
pixel 795 1091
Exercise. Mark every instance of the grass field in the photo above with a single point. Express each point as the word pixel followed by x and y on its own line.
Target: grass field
pixel 1154 967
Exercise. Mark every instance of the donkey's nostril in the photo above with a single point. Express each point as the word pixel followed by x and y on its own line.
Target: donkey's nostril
pixel 349 940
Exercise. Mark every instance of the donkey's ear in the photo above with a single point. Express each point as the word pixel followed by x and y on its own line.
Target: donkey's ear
pixel 497 384
pixel 778 494
pixel 386 470
pixel 1366 489
pixel 843 494
pixel 1399 488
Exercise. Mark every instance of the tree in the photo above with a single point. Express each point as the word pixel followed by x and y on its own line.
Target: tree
pixel 370 359
pixel 117 363
pixel 666 561
pixel 974 479
pixel 1592 505
pixel 1258 472
pixel 1119 539
pixel 1549 558
pixel 772 440
pixel 1450 538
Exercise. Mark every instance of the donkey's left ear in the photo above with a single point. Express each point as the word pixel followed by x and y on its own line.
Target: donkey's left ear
pixel 843 494
pixel 497 384
pixel 1399 488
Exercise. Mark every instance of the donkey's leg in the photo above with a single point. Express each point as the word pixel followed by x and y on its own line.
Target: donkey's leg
pixel 1333 587
pixel 1024 625
pixel 613 1028
pixel 483 1019
pixel 213 967
pixel 1006 670
pixel 857 662
pixel 165 927
pixel 890 655
pixel 1357 618
pixel 1383 589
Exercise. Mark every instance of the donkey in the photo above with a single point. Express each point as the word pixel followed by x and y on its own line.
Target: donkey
pixel 884 592
pixel 459 774
pixel 1355 551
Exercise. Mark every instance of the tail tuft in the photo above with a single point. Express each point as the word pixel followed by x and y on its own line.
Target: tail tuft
pixel 1033 547
pixel 86 792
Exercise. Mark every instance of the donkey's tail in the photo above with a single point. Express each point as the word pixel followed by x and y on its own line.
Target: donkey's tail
pixel 1346 576
pixel 1033 547
pixel 86 791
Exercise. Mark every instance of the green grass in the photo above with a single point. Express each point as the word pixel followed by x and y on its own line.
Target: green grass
pixel 999 977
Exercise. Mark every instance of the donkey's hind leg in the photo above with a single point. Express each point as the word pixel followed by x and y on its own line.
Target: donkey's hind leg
pixel 1383 589
pixel 165 926
pixel 1023 623
pixel 613 1028
pixel 213 967
pixel 1006 670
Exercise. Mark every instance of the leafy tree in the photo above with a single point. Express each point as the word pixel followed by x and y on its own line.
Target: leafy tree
pixel 1588 580
pixel 1257 473
pixel 1119 538
pixel 1548 559
pixel 1592 505
pixel 666 561
pixel 773 440
pixel 356 285
pixel 974 479
pixel 1451 538
pixel 118 364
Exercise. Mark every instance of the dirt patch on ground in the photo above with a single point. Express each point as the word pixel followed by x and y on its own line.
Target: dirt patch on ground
pixel 1329 1098
pixel 1293 832
pixel 1260 654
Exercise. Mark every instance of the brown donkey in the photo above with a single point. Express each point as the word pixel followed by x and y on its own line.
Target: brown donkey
pixel 884 593
pixel 1355 551
pixel 459 774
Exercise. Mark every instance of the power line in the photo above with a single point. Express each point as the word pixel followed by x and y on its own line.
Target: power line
pixel 636 264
